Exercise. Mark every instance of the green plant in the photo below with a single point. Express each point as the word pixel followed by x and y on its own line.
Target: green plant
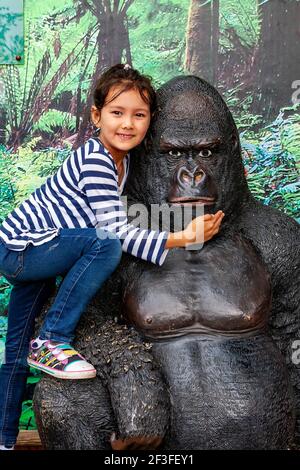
pixel 22 172
pixel 27 420
pixel 272 161
pixel 5 289
pixel 7 188
pixel 53 120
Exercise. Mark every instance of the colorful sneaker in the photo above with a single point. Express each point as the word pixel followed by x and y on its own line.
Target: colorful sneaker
pixel 59 360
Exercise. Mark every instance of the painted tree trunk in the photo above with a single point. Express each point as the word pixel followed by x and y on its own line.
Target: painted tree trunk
pixel 113 45
pixel 277 64
pixel 203 39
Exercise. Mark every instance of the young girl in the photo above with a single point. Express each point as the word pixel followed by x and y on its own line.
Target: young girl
pixel 56 232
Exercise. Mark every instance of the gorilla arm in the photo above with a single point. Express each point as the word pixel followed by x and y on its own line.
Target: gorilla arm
pixel 137 392
pixel 126 368
pixel 73 414
pixel 277 238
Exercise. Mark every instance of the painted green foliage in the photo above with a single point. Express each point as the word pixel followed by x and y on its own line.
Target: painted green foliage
pixel 11 32
pixel 42 102
pixel 27 420
pixel 44 99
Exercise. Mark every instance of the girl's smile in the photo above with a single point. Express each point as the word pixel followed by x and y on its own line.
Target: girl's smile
pixel 124 121
pixel 125 136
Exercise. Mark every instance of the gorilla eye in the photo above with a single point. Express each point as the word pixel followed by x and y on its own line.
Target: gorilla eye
pixel 175 153
pixel 205 153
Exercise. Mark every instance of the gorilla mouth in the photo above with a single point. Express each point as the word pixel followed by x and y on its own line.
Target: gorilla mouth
pixel 192 201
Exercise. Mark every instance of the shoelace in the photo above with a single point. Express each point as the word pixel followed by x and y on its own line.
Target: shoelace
pixel 58 353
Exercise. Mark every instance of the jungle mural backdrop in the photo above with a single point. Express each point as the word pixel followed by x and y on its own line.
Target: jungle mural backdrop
pixel 248 49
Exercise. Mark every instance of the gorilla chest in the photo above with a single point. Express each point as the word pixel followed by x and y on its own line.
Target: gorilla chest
pixel 222 288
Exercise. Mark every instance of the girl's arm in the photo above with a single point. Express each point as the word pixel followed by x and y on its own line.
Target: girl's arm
pixel 98 181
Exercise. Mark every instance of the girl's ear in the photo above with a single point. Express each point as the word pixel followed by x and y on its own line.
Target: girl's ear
pixel 95 116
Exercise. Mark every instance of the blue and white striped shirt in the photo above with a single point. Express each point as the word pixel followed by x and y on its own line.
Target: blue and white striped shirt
pixel 83 193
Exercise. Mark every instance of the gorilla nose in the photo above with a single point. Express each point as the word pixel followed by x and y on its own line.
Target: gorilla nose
pixel 191 178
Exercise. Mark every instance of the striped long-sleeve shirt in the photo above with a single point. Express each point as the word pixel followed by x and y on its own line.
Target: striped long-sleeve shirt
pixel 83 193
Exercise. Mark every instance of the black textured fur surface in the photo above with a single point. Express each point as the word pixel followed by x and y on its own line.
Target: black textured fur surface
pixel 199 392
pixel 230 399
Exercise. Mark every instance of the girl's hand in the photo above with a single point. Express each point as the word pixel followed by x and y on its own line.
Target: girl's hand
pixel 199 230
pixel 203 228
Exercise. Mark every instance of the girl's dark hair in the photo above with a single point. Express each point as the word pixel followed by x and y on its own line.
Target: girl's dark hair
pixel 129 78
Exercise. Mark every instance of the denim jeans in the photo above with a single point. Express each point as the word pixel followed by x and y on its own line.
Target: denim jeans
pixel 86 261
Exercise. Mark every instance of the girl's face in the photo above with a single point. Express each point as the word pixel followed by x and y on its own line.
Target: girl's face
pixel 124 121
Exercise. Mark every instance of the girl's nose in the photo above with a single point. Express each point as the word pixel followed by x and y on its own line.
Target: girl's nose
pixel 127 122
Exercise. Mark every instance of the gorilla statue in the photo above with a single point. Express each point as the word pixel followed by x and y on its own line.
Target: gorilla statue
pixel 197 353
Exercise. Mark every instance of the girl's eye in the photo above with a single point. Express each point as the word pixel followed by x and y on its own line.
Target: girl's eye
pixel 117 113
pixel 140 115
pixel 205 153
pixel 175 153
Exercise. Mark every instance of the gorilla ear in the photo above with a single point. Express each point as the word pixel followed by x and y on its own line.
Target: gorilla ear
pixel 156 111
pixel 234 141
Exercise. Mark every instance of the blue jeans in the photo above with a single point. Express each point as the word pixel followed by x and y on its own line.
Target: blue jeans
pixel 85 261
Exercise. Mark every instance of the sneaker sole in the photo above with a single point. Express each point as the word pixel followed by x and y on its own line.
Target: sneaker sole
pixel 87 374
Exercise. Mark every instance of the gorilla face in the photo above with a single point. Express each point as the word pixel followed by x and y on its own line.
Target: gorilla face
pixel 191 181
pixel 195 157
pixel 189 155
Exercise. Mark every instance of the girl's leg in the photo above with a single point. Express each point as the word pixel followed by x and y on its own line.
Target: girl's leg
pixel 51 352
pixel 86 261
pixel 26 302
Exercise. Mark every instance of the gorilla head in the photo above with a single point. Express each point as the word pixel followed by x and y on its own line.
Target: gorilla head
pixel 195 156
